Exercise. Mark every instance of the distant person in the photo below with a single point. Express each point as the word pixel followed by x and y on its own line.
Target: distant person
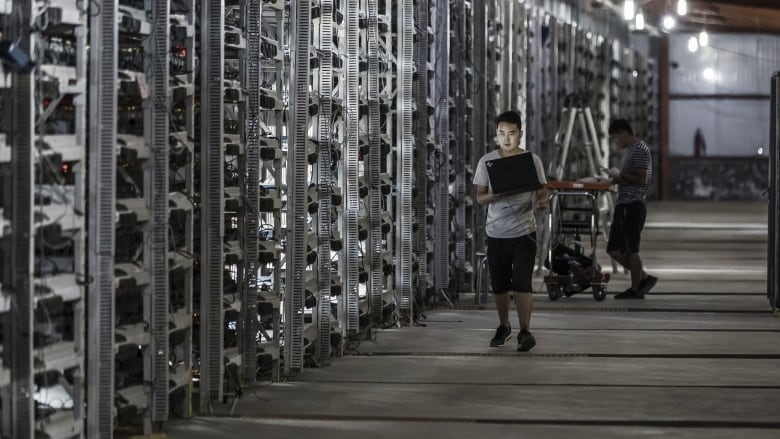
pixel 511 234
pixel 699 145
pixel 630 210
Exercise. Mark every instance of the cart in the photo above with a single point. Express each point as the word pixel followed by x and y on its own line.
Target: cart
pixel 574 214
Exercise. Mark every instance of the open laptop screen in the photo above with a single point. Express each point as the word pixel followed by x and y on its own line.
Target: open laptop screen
pixel 513 174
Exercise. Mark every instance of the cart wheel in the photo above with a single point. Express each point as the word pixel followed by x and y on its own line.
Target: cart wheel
pixel 554 292
pixel 599 293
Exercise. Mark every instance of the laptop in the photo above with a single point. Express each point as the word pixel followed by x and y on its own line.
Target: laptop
pixel 513 175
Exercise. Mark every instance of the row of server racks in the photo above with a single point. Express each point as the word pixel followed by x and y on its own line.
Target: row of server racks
pixel 197 195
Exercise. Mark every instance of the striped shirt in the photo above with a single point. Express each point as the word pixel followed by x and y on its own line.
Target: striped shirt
pixel 637 157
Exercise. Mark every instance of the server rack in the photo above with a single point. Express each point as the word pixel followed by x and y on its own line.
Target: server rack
pixel 42 305
pixel 271 123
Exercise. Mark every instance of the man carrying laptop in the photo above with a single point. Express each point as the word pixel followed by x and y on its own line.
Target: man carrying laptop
pixel 511 180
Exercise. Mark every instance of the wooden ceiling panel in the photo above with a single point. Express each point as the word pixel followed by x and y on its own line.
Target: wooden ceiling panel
pixel 748 16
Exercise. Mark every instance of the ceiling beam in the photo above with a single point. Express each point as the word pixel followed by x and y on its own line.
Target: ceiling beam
pixel 765 4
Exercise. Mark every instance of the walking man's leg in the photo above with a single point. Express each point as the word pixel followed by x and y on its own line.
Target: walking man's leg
pixel 525 306
pixel 500 277
pixel 502 306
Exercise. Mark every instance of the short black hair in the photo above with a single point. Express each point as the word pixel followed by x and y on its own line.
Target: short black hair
pixel 510 117
pixel 618 125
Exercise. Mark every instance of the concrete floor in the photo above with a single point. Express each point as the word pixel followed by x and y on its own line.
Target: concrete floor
pixel 698 358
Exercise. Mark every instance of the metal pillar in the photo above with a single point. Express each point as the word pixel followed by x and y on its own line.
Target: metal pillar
pixel 251 188
pixel 102 172
pixel 421 141
pixel 458 58
pixel 20 338
pixel 324 214
pixel 156 297
pixel 375 149
pixel 479 119
pixel 212 183
pixel 404 165
pixel 348 311
pixel 773 259
pixel 297 187
pixel 441 226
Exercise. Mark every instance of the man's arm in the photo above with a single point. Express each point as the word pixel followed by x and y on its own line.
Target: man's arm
pixel 485 197
pixel 542 198
pixel 638 176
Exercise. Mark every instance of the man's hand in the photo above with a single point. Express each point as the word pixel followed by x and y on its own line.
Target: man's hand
pixel 613 173
pixel 495 197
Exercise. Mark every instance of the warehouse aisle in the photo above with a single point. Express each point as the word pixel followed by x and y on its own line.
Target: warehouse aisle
pixel 699 357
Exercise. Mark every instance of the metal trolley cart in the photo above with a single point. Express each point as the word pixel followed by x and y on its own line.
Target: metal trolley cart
pixel 574 214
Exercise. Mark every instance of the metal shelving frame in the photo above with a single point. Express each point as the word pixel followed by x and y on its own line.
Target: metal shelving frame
pixel 458 85
pixel 156 296
pixel 373 170
pixel 441 165
pixel 405 142
pixel 47 205
pixel 250 173
pixel 421 128
pixel 182 257
pixel 273 69
pixel 324 86
pixel 211 202
pixel 479 120
pixel 18 404
pixel 350 254
pixel 102 198
pixel 297 179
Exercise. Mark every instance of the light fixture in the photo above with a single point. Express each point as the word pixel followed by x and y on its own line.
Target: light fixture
pixel 635 74
pixel 709 74
pixel 704 39
pixel 693 44
pixel 669 22
pixel 629 9
pixel 682 7
pixel 639 21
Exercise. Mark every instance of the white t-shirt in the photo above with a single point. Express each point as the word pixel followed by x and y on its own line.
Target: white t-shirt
pixel 513 215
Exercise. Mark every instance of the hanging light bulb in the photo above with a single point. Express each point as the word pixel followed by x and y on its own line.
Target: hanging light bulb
pixel 639 20
pixel 693 44
pixel 629 9
pixel 704 39
pixel 682 7
pixel 669 22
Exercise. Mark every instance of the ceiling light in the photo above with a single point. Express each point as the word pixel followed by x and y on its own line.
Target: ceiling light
pixel 709 74
pixel 682 7
pixel 634 73
pixel 704 39
pixel 693 44
pixel 669 22
pixel 639 21
pixel 629 9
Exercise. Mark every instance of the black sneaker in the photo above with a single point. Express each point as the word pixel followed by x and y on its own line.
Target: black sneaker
pixel 629 294
pixel 503 334
pixel 647 284
pixel 525 341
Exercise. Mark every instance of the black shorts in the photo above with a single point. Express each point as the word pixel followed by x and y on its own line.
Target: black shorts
pixel 626 229
pixel 511 263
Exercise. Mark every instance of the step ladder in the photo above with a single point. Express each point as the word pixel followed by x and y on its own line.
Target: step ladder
pixel 580 118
